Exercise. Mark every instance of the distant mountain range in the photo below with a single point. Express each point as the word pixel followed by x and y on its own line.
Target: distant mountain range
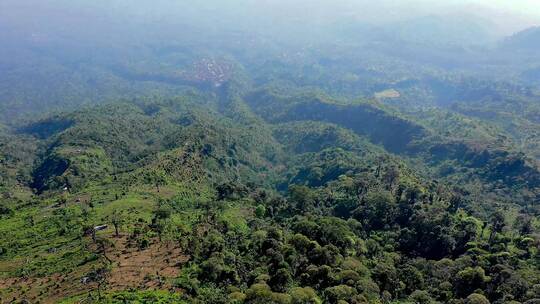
pixel 528 39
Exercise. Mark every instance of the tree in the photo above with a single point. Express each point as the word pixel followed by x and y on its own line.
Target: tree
pixel 216 271
pixel 260 211
pixel 4 210
pixel 386 276
pixel 62 201
pixel 280 280
pixel 421 297
pixel 99 276
pixel 523 224
pixel 476 298
pixel 412 278
pixel 117 219
pixel 326 255
pixel 497 222
pixel 304 295
pixel 262 294
pixel 161 220
pixel 340 292
pixel 464 230
pixel 505 283
pixel 377 211
pixel 302 197
pixel 469 280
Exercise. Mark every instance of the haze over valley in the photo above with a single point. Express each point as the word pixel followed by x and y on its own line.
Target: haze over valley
pixel 279 151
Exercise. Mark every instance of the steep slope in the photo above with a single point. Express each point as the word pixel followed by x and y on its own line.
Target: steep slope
pixel 463 162
pixel 98 143
pixel 366 119
pixel 17 154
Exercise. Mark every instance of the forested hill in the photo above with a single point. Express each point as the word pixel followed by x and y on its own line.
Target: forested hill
pixel 152 156
pixel 287 199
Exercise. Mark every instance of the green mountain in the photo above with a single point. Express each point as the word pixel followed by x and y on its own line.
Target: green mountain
pixel 151 156
pixel 276 198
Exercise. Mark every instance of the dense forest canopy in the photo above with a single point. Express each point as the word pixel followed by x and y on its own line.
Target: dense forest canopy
pixel 269 151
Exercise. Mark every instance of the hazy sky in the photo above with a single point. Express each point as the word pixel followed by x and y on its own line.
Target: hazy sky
pixel 528 7
pixel 507 16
